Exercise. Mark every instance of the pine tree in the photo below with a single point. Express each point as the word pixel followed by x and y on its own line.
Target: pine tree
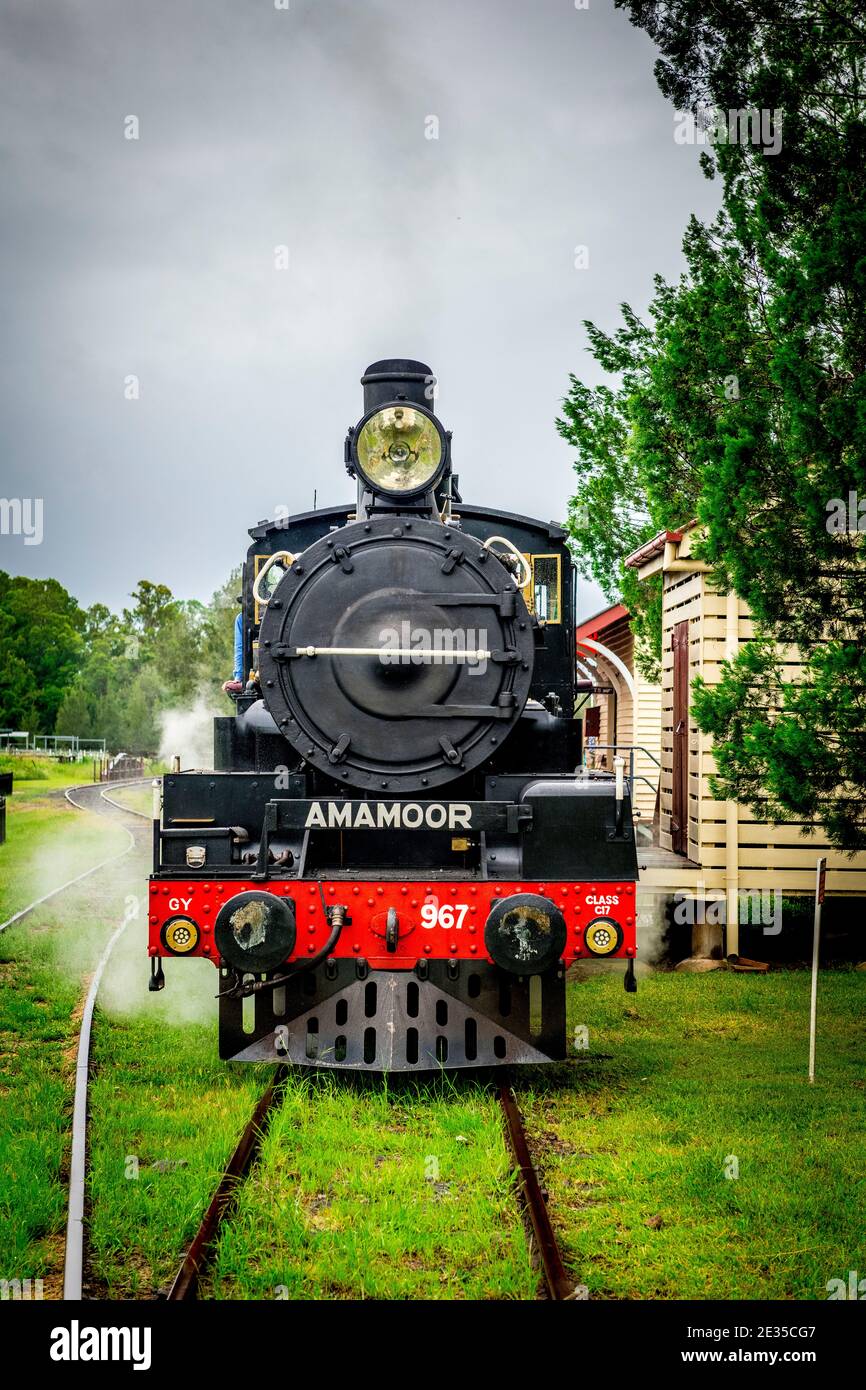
pixel 741 401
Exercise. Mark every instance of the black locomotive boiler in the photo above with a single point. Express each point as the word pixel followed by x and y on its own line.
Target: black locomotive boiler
pixel 397 855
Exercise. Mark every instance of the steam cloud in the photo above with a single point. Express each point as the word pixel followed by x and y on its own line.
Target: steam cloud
pixel 188 732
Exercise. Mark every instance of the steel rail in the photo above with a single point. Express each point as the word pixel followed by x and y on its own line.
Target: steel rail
pixel 46 897
pixel 128 810
pixel 185 1285
pixel 559 1286
pixel 73 1264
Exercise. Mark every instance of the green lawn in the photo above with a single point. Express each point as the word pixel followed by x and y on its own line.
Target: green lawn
pixel 45 960
pixel 48 842
pixel 385 1192
pixel 166 1114
pixel 379 1194
pixel 707 1076
pixel 136 798
pixel 35 775
pixel 44 964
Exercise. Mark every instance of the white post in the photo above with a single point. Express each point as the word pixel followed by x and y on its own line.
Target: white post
pixel 619 764
pixel 820 877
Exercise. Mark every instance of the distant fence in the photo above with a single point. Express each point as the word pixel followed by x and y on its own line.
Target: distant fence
pixel 119 769
pixel 66 747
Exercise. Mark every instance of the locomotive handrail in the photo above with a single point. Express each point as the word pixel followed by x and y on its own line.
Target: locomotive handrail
pixel 277 555
pixel 632 749
pixel 509 545
pixel 442 653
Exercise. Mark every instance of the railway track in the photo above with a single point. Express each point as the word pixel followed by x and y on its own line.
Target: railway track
pixel 87 797
pixel 73 1265
pixel 184 1287
pixel 560 1287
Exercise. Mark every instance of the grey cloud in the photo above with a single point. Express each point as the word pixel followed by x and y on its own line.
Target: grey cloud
pixel 306 128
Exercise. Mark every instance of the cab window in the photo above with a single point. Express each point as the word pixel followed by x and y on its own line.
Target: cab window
pixel 544 594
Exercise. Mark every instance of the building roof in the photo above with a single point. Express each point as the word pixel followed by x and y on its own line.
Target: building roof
pixel 650 549
pixel 590 626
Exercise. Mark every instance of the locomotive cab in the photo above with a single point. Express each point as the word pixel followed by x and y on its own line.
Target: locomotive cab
pixel 397 855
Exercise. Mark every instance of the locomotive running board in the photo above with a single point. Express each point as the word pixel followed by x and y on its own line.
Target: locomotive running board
pixel 392 1021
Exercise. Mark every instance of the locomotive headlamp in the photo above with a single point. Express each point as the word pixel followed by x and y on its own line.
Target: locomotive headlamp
pixel 525 933
pixel 255 931
pixel 399 449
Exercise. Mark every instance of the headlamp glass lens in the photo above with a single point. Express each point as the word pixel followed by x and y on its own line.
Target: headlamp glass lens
pixel 399 449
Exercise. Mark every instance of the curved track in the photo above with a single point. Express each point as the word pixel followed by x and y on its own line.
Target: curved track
pixel 86 797
pixel 73 1268
pixel 85 794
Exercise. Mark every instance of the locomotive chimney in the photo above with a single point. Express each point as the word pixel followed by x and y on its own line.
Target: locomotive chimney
pixel 398 452
pixel 398 378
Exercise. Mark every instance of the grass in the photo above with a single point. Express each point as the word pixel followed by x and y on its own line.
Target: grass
pixel 374 1193
pixel 134 798
pixel 395 1192
pixel 36 1031
pixel 707 1077
pixel 39 775
pixel 48 842
pixel 166 1116
pixel 44 962
pixel 36 776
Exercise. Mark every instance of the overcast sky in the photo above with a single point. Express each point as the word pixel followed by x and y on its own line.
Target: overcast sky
pixel 260 128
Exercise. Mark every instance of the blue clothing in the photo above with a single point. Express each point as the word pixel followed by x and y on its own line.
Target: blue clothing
pixel 239 647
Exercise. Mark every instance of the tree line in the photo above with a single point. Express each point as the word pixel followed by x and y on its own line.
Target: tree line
pixel 739 400
pixel 70 670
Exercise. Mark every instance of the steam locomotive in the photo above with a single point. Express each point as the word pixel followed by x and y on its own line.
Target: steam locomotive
pixel 398 856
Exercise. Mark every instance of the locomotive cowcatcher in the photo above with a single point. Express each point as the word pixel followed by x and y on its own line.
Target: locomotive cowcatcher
pixel 398 855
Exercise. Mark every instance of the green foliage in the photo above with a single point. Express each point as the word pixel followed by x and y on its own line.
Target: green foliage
pixel 741 401
pixel 41 643
pixel 794 751
pixel 29 769
pixel 92 673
